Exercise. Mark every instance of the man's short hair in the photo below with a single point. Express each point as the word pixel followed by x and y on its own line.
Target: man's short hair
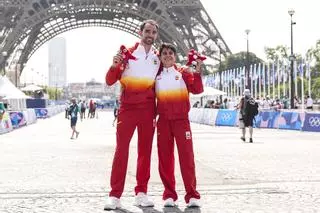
pixel 167 46
pixel 149 21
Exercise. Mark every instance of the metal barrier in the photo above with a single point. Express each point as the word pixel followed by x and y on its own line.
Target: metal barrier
pixel 289 120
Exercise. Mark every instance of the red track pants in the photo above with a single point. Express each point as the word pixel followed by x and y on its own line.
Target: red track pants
pixel 128 120
pixel 167 131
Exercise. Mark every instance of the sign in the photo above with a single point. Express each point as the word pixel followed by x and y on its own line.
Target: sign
pixel 226 117
pixel 312 122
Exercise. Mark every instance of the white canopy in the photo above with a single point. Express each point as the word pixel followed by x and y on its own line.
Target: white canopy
pixel 17 96
pixel 31 88
pixel 8 89
pixel 209 91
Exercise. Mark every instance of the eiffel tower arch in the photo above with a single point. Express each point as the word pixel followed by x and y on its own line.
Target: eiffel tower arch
pixel 25 25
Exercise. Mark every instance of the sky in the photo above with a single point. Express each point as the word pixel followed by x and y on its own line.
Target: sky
pixel 90 50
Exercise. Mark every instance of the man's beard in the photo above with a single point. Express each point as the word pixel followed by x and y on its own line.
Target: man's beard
pixel 148 41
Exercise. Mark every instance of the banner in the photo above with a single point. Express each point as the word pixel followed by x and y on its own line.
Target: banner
pixel 291 120
pixel 312 122
pixel 226 117
pixel 41 112
pixel 267 119
pixel 5 123
pixel 17 119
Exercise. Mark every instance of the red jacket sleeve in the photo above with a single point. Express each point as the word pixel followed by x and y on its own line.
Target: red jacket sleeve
pixel 114 74
pixel 193 82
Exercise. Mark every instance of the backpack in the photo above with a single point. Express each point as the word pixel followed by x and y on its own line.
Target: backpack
pixel 71 109
pixel 252 107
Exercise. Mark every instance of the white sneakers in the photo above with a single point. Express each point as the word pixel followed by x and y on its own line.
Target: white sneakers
pixel 143 200
pixel 193 202
pixel 112 203
pixel 169 202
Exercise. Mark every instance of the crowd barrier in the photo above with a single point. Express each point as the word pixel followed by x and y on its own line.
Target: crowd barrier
pixel 49 112
pixel 290 120
pixel 30 116
pixel 16 119
pixel 5 123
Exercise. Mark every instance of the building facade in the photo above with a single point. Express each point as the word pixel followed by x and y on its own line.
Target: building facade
pixel 57 63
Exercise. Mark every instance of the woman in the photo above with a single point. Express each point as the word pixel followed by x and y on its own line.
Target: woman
pixel 172 90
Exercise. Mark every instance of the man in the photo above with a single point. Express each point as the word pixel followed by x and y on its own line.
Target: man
pixel 73 112
pixel 137 110
pixel 309 102
pixel 83 110
pixel 248 109
pixel 2 110
pixel 66 109
pixel 91 108
pixel 115 111
pixel 172 89
pixel 196 105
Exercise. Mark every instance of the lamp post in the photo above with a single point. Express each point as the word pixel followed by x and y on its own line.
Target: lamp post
pixel 220 72
pixel 4 55
pixel 247 83
pixel 16 74
pixel 291 58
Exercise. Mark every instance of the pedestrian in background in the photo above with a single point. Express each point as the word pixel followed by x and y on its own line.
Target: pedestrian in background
pixel 248 109
pixel 73 113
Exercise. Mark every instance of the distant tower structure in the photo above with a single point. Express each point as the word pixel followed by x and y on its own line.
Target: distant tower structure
pixel 57 63
pixel 25 25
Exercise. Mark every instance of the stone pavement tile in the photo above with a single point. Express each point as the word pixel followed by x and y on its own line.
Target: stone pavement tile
pixel 42 170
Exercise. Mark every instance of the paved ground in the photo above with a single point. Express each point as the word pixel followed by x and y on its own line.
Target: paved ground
pixel 42 170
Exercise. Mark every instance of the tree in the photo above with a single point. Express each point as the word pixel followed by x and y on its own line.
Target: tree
pixel 313 56
pixel 53 92
pixel 280 53
pixel 238 60
pixel 315 89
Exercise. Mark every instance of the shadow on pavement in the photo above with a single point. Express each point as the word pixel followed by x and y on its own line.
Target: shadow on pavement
pixel 164 210
pixel 177 210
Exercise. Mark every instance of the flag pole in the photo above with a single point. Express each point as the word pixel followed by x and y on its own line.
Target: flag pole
pixel 309 79
pixel 302 85
pixel 278 79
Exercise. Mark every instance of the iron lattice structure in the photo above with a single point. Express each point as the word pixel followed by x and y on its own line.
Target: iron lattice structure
pixel 27 24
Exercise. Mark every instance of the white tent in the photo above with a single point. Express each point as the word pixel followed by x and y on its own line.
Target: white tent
pixel 209 91
pixel 8 89
pixel 8 92
pixel 17 96
pixel 31 88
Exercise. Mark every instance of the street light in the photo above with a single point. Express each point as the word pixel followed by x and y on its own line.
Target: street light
pixel 16 74
pixel 247 31
pixel 4 54
pixel 291 58
pixel 220 73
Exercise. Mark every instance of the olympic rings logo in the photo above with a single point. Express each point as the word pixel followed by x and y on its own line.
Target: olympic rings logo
pixel 226 116
pixel 314 121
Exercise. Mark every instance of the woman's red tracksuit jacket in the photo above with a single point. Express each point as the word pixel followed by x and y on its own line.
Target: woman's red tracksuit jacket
pixel 172 90
pixel 137 109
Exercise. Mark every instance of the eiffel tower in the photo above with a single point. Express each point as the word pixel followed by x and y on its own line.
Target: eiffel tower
pixel 25 25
